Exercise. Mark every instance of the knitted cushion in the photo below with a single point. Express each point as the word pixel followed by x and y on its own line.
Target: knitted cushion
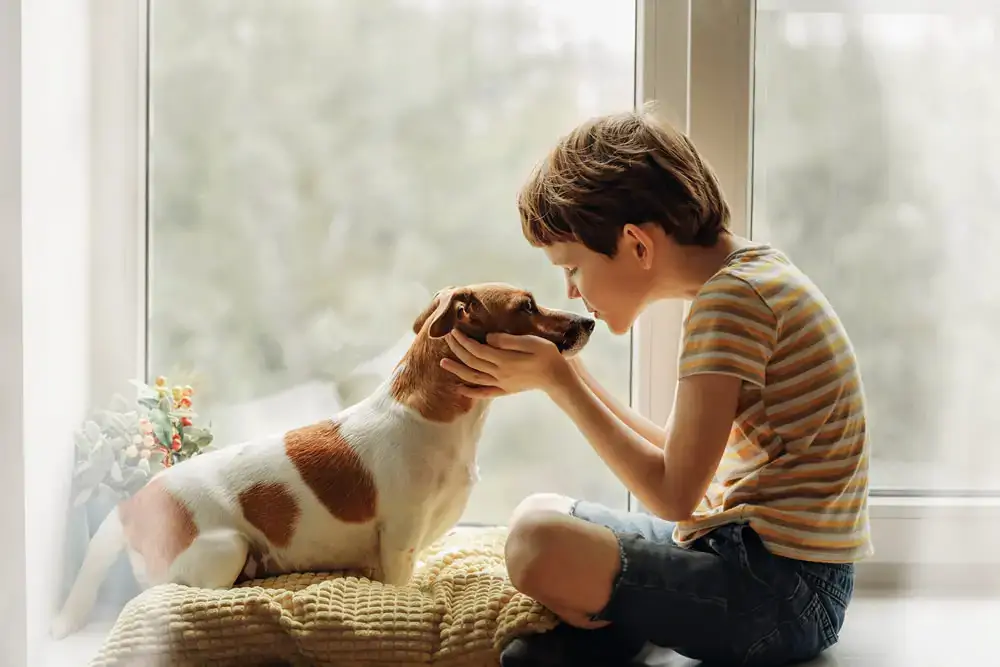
pixel 458 609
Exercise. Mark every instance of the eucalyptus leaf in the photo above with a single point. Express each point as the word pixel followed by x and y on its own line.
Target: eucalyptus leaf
pixel 197 434
pixel 81 442
pixel 149 402
pixel 135 481
pixel 102 459
pixel 116 472
pixel 118 403
pixel 155 467
pixel 91 475
pixel 143 466
pixel 100 418
pixel 107 494
pixel 93 431
pixel 81 468
pixel 83 496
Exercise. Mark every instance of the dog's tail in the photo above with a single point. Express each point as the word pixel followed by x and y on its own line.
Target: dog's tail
pixel 102 552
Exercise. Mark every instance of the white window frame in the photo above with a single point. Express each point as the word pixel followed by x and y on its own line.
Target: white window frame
pixel 119 202
pixel 13 566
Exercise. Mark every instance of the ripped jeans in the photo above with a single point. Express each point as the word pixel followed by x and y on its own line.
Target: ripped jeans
pixel 724 600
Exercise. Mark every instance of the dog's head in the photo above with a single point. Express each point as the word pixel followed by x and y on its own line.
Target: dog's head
pixel 479 310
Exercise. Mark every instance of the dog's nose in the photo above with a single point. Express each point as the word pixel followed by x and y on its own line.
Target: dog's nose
pixel 588 325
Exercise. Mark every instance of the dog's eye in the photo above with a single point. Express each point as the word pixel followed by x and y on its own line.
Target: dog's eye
pixel 529 307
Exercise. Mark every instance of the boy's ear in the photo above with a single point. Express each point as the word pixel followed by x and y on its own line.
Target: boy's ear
pixel 639 244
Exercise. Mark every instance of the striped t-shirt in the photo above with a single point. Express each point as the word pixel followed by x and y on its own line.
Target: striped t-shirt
pixel 796 464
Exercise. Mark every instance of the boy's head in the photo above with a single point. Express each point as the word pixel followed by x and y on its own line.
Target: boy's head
pixel 613 194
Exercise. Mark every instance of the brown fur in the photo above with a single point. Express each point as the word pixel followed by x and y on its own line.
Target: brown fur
pixel 422 385
pixel 158 526
pixel 270 508
pixel 334 471
pixel 477 311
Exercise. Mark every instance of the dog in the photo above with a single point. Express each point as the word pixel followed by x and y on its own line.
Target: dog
pixel 367 489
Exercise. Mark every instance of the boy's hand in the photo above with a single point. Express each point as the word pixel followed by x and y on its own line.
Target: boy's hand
pixel 507 365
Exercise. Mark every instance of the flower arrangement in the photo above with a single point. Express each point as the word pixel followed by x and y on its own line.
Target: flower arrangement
pixel 119 449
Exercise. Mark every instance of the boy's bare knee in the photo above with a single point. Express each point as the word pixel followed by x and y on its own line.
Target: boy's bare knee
pixel 541 502
pixel 528 541
pixel 565 563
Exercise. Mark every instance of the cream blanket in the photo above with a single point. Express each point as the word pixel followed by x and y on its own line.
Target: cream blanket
pixel 458 609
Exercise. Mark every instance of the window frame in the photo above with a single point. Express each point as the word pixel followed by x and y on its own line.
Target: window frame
pixel 695 61
pixel 13 559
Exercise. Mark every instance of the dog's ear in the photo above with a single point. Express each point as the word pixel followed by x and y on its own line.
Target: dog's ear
pixel 447 309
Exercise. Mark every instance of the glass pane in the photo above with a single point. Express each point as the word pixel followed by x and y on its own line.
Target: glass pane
pixel 876 147
pixel 320 168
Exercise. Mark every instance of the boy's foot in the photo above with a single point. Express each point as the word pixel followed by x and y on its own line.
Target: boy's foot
pixel 566 645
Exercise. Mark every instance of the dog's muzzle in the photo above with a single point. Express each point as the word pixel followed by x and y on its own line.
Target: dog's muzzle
pixel 577 336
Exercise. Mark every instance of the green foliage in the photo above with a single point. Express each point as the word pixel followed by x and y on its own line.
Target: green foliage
pixel 120 448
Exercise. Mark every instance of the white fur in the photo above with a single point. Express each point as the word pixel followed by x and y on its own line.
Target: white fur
pixel 424 472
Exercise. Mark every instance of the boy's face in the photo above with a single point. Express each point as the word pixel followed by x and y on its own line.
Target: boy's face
pixel 614 290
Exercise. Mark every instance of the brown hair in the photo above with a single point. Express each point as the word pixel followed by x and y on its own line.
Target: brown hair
pixel 618 169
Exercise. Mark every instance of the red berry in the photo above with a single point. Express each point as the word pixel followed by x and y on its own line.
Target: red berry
pixel 176 446
pixel 186 421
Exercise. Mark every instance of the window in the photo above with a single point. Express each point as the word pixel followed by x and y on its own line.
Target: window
pixel 315 169
pixel 875 148
pixel 319 169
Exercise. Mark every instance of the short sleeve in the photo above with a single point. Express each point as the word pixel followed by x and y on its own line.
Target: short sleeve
pixel 729 330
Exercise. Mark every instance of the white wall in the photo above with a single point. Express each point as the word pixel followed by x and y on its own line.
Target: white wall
pixel 56 262
pixel 12 556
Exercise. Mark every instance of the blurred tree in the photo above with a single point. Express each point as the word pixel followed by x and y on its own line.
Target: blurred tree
pixel 321 168
pixel 837 186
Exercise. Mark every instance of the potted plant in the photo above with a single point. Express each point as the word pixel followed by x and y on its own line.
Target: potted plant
pixel 117 451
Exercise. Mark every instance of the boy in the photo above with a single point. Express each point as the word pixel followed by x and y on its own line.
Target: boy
pixel 757 485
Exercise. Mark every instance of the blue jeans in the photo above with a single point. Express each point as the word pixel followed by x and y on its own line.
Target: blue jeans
pixel 725 599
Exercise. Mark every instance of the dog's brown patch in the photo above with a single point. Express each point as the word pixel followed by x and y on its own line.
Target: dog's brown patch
pixel 422 385
pixel 331 467
pixel 270 508
pixel 158 526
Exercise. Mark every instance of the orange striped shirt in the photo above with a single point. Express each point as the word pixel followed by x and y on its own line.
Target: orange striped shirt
pixel 796 464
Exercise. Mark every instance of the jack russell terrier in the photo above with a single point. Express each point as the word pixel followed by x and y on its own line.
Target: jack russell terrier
pixel 367 489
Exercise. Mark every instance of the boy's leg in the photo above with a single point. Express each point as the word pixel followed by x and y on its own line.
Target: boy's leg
pixel 727 599
pixel 581 560
pixel 579 564
pixel 579 640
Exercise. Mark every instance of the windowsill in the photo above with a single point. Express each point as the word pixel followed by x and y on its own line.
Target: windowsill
pixel 920 507
pixel 913 557
pixel 79 648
